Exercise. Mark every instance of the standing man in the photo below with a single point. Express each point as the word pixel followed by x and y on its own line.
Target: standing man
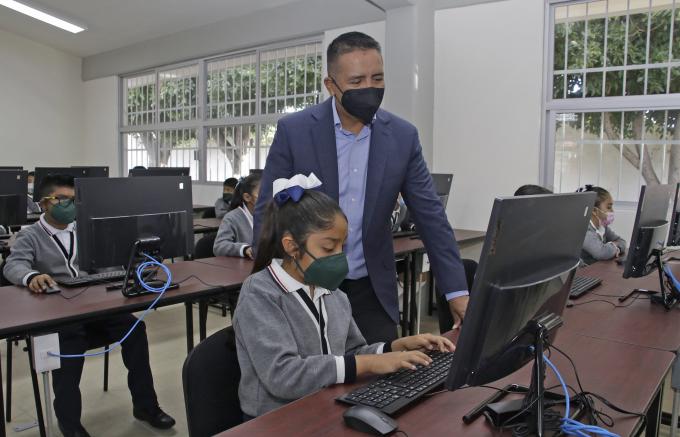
pixel 365 157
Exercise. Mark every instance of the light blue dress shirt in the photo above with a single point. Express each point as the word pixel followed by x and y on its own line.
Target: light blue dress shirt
pixel 352 171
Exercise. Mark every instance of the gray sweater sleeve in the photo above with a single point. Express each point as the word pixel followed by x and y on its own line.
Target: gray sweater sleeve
pixel 610 235
pixel 225 242
pixel 21 259
pixel 263 331
pixel 597 248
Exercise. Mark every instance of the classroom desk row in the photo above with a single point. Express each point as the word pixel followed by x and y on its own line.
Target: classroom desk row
pixel 622 351
pixel 25 314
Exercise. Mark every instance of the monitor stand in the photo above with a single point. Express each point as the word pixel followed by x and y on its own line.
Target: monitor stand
pixel 527 410
pixel 147 246
pixel 668 296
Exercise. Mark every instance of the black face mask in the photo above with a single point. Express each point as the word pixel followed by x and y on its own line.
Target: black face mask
pixel 227 197
pixel 362 103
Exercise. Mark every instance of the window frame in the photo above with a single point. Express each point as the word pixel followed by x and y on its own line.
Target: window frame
pixel 203 123
pixel 551 107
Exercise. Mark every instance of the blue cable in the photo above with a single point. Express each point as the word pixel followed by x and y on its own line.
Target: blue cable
pixel 569 425
pixel 159 290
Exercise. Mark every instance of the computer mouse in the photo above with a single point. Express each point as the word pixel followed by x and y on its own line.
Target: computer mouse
pixel 369 420
pixel 51 289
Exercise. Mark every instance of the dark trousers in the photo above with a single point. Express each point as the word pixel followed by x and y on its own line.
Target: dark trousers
pixel 368 313
pixel 77 339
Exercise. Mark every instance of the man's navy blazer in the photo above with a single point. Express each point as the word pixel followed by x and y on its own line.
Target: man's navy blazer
pixel 305 143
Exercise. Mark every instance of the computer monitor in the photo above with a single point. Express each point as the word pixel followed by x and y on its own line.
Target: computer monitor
pixel 650 229
pixel 94 171
pixel 160 171
pixel 442 184
pixel 13 197
pixel 117 216
pixel 530 255
pixel 76 172
pixel 9 167
pixel 674 233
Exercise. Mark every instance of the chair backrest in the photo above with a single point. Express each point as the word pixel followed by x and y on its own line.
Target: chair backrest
pixel 204 246
pixel 210 378
pixel 208 213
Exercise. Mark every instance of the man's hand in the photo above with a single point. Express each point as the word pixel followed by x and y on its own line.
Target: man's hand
pixel 40 283
pixel 423 342
pixel 458 306
pixel 249 253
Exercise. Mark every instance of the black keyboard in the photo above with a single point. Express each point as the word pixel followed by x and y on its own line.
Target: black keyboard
pixel 390 393
pixel 582 285
pixel 97 278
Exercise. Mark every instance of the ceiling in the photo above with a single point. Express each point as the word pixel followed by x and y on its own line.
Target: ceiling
pixel 113 24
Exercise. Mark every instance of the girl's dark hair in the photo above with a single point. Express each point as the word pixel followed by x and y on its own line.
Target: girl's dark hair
pixel 602 194
pixel 530 190
pixel 314 212
pixel 247 185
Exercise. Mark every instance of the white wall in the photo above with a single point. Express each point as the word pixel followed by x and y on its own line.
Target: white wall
pixel 100 123
pixel 41 104
pixel 488 76
pixel 488 82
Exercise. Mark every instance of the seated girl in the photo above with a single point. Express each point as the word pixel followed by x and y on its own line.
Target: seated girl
pixel 294 328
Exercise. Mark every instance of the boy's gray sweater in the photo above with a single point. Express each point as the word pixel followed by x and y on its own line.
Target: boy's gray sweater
pixel 279 347
pixel 35 251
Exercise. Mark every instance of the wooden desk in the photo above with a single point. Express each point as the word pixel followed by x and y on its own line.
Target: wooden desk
pixel 636 321
pixel 320 414
pixel 24 313
pixel 206 225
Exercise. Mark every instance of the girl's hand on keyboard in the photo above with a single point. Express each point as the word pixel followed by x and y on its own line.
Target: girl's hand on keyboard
pixel 390 362
pixel 423 342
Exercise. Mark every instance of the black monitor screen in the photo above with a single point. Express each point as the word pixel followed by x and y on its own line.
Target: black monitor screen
pixel 532 247
pixel 113 213
pixel 118 235
pixel 159 171
pixel 13 197
pixel 76 172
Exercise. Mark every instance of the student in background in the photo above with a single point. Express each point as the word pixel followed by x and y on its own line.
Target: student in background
pixel 31 206
pixel 601 242
pixel 530 190
pixel 235 235
pixel 222 204
pixel 47 250
pixel 294 329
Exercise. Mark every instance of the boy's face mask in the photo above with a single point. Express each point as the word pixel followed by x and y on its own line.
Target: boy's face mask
pixel 64 211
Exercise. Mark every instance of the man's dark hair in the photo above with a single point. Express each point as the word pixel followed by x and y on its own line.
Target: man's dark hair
pixel 349 42
pixel 31 173
pixel 54 181
pixel 230 182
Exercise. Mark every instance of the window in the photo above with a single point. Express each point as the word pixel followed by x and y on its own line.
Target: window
pixel 217 116
pixel 614 100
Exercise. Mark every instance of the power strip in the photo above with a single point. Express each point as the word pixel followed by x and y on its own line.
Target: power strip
pixel 42 346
